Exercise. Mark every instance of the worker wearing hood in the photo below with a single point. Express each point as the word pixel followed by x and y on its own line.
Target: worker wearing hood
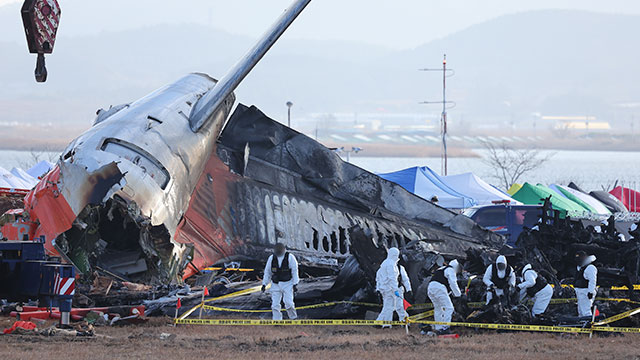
pixel 585 282
pixel 281 271
pixel 391 282
pixel 443 282
pixel 535 286
pixel 499 278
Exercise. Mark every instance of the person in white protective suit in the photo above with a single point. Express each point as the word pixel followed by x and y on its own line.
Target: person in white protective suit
pixel 536 287
pixel 585 283
pixel 392 282
pixel 281 271
pixel 443 282
pixel 499 278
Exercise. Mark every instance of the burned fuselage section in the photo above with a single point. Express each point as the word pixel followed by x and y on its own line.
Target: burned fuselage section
pixel 289 188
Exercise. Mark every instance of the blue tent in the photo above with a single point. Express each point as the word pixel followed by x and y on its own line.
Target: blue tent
pixel 425 183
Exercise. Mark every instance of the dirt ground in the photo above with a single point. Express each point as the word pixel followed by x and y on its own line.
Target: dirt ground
pixel 310 342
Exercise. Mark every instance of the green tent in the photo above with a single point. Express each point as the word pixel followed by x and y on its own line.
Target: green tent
pixel 533 194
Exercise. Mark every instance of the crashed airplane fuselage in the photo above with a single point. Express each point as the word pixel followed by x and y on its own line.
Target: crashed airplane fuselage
pixel 156 190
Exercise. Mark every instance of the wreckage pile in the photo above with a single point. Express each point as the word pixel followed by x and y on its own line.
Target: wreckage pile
pixel 552 244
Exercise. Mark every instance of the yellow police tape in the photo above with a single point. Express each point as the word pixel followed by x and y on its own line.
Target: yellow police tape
pixel 227 269
pixel 237 293
pixel 306 307
pixel 417 318
pixel 326 322
pixel 620 316
pixel 515 327
pixel 421 316
pixel 636 287
pixel 227 296
pixel 426 306
pixel 254 322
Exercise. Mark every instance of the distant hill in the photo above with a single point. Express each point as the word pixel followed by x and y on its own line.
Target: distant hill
pixel 549 62
pixel 563 62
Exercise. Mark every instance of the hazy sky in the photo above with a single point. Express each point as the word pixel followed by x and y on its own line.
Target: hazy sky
pixel 390 23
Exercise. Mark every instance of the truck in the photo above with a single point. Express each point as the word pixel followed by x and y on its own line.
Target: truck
pixel 505 218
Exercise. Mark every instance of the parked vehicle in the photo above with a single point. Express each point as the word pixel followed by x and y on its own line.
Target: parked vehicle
pixel 505 219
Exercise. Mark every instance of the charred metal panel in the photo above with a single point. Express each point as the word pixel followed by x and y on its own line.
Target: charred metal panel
pixel 292 162
pixel 317 229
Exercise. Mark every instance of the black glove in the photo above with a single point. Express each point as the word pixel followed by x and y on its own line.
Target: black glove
pixel 295 289
pixel 589 296
pixel 409 296
pixel 263 288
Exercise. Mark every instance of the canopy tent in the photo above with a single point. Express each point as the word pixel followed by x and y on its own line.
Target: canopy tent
pixel 11 181
pixel 25 177
pixel 424 183
pixel 514 189
pixel 629 197
pixel 582 199
pixel 534 194
pixel 582 204
pixel 609 201
pixel 40 169
pixel 576 207
pixel 475 188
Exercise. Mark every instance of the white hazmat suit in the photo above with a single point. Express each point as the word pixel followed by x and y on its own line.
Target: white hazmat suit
pixel 541 298
pixel 582 294
pixel 387 284
pixel 439 293
pixel 501 274
pixel 283 290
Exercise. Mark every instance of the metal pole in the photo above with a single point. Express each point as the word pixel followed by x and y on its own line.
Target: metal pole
pixel 289 105
pixel 443 120
pixel 444 113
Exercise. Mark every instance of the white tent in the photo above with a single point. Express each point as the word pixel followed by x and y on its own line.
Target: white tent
pixel 423 182
pixel 588 199
pixel 25 177
pixel 9 180
pixel 475 188
pixel 40 169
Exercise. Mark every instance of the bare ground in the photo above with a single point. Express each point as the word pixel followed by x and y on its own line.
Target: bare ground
pixel 304 342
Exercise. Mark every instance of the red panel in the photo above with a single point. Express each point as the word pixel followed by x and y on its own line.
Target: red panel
pixel 46 205
pixel 199 225
pixel 630 198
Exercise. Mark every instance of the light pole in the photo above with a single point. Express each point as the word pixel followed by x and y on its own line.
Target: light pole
pixel 443 119
pixel 289 105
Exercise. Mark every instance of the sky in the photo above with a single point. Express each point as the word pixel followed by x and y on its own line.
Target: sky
pixel 397 24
